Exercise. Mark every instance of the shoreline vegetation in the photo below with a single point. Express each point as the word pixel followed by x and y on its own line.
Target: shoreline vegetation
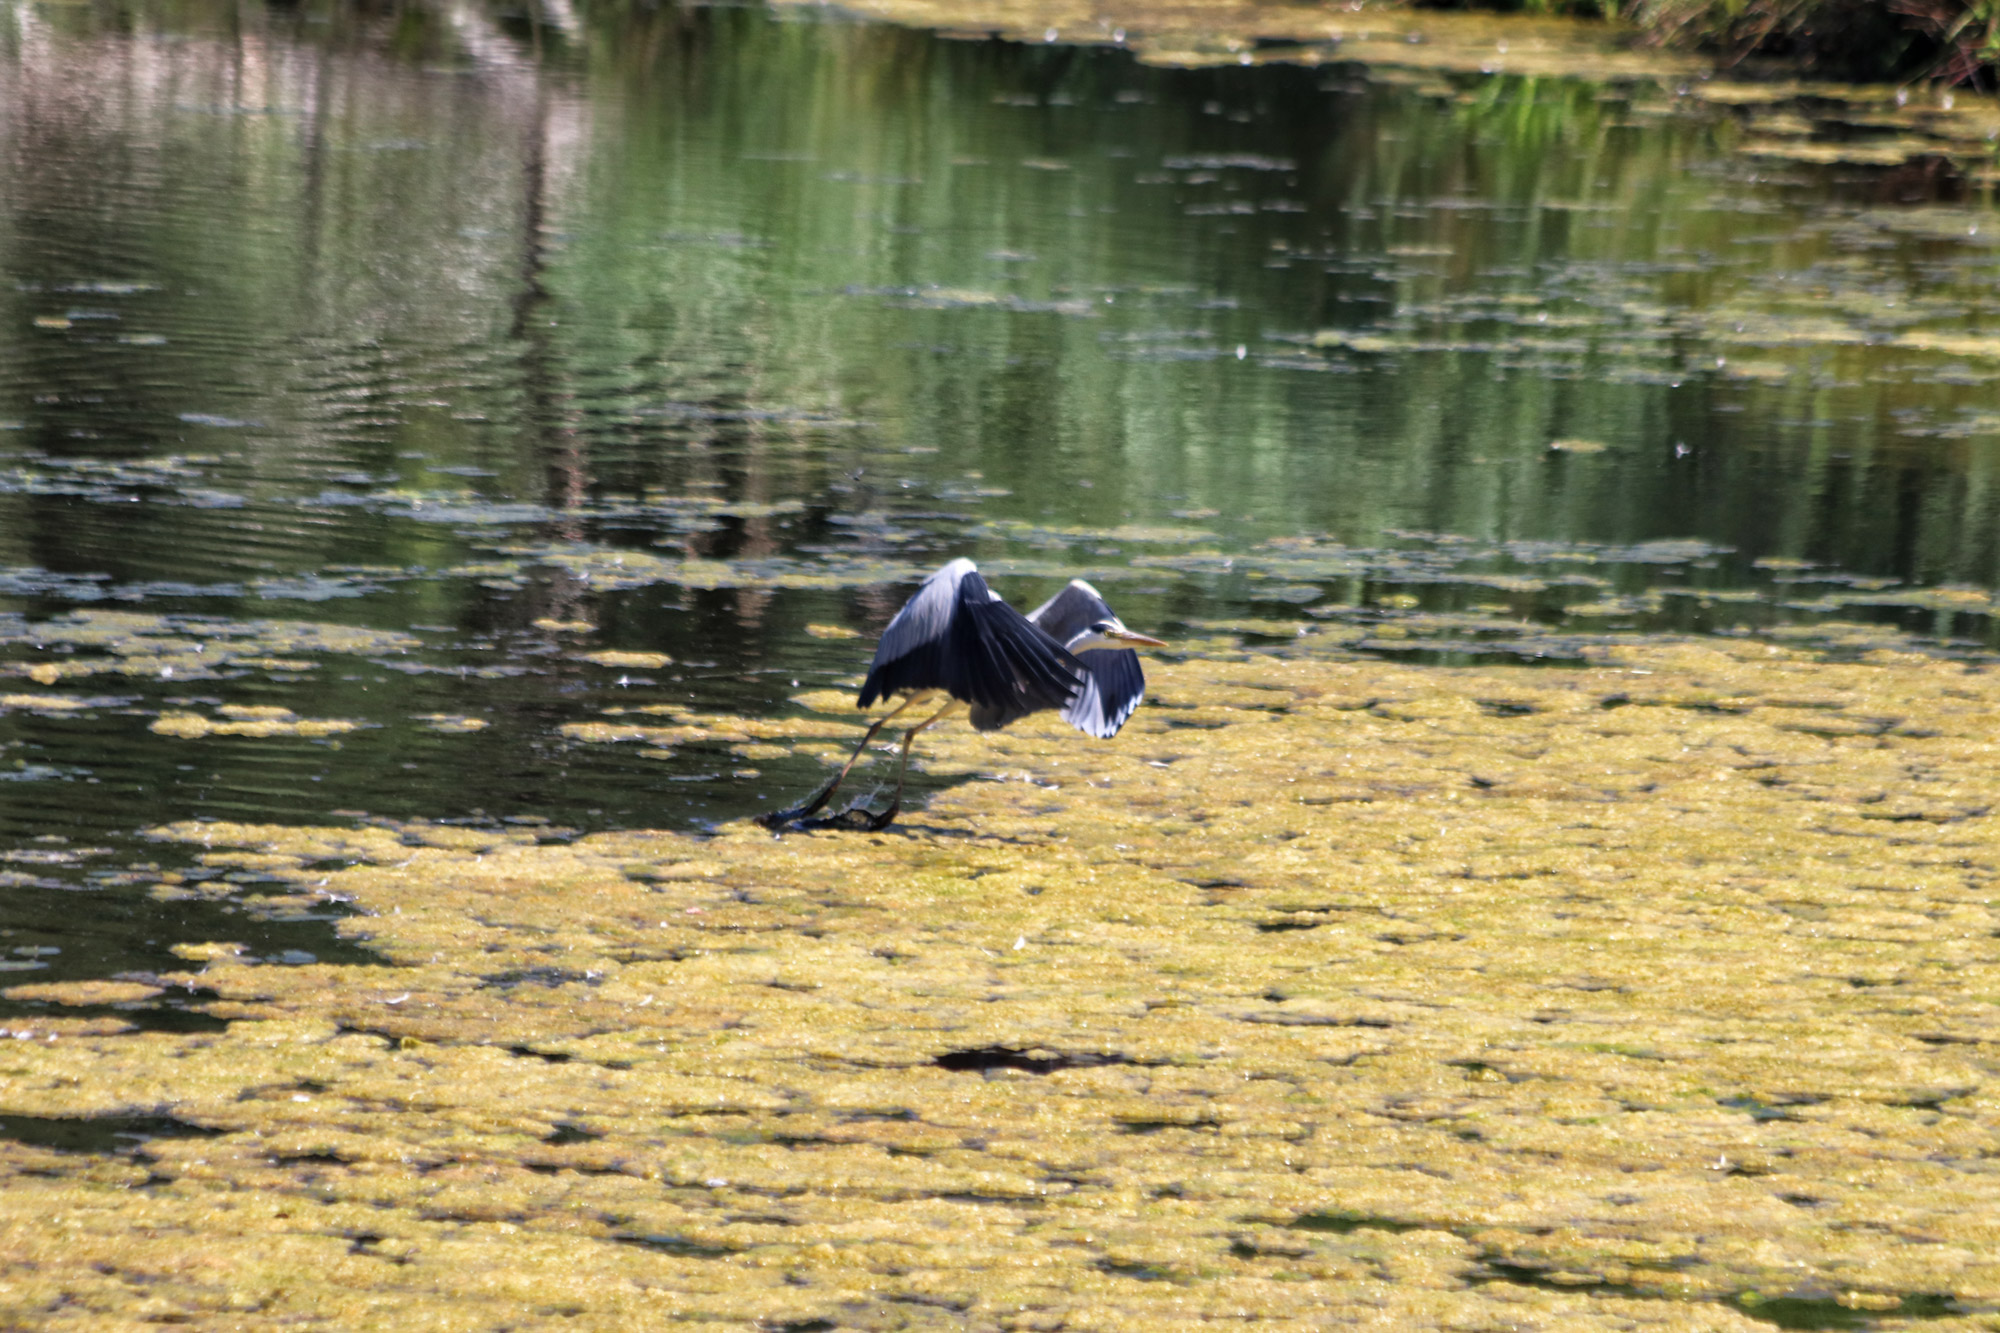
pixel 1949 44
pixel 1954 42
pixel 1910 100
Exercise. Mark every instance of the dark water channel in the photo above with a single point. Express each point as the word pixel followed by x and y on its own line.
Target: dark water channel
pixel 379 366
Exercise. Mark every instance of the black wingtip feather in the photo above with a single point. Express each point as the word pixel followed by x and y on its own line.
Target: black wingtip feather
pixel 1116 688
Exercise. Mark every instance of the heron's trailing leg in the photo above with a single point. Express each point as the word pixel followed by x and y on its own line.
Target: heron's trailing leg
pixel 887 817
pixel 812 804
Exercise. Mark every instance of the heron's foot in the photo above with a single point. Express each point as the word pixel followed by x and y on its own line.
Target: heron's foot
pixel 868 821
pixel 804 810
pixel 856 818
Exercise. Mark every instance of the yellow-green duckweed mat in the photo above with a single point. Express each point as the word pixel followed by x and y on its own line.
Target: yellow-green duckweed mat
pixel 1657 994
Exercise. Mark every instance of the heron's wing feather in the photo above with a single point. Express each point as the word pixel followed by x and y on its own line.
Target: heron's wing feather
pixel 955 635
pixel 1071 611
pixel 1114 683
pixel 924 620
pixel 1001 661
pixel 910 656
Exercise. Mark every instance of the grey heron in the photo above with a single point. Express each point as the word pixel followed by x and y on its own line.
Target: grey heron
pixel 958 638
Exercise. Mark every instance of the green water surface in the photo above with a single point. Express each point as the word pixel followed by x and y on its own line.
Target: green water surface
pixel 377 365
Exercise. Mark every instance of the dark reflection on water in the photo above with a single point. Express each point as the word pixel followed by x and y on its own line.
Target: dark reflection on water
pixel 379 370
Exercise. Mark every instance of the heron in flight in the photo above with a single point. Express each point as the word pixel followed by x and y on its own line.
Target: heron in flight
pixel 956 637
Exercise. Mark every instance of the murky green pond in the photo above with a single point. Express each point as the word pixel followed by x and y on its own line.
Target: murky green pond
pixel 379 395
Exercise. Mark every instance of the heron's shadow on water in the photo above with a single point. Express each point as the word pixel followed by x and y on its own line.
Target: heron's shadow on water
pixel 906 831
pixel 925 833
pixel 855 819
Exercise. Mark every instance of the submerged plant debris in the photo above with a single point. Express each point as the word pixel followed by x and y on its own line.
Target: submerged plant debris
pixel 1654 993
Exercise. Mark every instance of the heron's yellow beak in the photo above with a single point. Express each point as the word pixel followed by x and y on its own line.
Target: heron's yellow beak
pixel 1137 640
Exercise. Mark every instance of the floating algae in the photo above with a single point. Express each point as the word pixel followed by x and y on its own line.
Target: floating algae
pixel 611 657
pixel 53 704
pixel 455 724
pixel 1039 534
pixel 85 992
pixel 1655 993
pixel 262 720
pixel 183 647
pixel 609 569
pixel 686 727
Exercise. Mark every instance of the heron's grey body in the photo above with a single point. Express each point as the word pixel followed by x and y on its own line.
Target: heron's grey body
pixel 957 637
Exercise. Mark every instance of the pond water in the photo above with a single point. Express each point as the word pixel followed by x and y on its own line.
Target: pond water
pixel 381 393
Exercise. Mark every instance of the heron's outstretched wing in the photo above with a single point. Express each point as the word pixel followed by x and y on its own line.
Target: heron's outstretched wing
pixel 1072 611
pixel 1113 685
pixel 1113 682
pixel 956 635
pixel 907 657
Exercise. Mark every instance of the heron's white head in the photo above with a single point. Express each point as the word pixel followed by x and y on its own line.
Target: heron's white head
pixel 1111 633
